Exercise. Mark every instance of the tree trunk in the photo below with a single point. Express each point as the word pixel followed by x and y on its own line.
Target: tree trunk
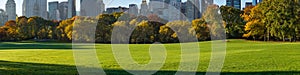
pixel 283 38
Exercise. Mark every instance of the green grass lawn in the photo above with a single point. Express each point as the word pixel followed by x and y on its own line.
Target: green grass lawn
pixel 242 57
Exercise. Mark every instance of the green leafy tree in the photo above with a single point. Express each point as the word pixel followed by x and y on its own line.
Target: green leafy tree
pixel 234 22
pixel 274 20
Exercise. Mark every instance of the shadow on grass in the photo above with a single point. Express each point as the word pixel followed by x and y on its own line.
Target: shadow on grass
pixel 34 46
pixel 22 68
pixel 39 45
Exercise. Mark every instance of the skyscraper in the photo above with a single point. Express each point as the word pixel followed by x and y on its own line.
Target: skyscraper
pixel 234 3
pixel 91 7
pixel 254 2
pixel 3 17
pixel 173 11
pixel 71 8
pixel 161 7
pixel 53 7
pixel 157 6
pixel 204 4
pixel 35 8
pixel 11 9
pixel 144 11
pixel 133 9
pixel 192 9
pixel 63 10
pixel 183 8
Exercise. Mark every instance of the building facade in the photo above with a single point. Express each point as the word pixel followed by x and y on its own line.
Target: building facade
pixel 116 9
pixel 158 7
pixel 234 3
pixel 71 8
pixel 133 9
pixel 35 8
pixel 144 11
pixel 173 11
pixel 91 7
pixel 260 1
pixel 183 8
pixel 3 17
pixel 248 4
pixel 11 9
pixel 254 2
pixel 53 8
pixel 63 10
pixel 204 4
pixel 192 9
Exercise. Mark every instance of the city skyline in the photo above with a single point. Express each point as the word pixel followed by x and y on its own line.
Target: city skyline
pixel 108 3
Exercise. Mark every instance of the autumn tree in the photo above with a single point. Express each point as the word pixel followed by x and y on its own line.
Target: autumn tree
pixel 104 27
pixel 255 28
pixel 64 29
pixel 11 31
pixel 201 29
pixel 121 32
pixel 215 22
pixel 3 34
pixel 143 33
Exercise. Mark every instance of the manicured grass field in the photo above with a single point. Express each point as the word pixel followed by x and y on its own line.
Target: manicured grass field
pixel 242 57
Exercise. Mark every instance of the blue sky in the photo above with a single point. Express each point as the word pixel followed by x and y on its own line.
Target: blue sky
pixel 108 3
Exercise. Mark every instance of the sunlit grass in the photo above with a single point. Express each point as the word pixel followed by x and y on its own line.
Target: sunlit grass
pixel 242 56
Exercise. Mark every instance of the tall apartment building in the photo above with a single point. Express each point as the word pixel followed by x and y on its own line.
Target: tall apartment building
pixel 53 8
pixel 35 8
pixel 3 17
pixel 133 9
pixel 91 7
pixel 63 10
pixel 144 11
pixel 193 9
pixel 204 4
pixel 11 9
pixel 71 8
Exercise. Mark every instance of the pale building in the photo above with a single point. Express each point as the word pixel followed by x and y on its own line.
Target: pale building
pixel 35 8
pixel 71 8
pixel 173 12
pixel 91 7
pixel 192 9
pixel 133 9
pixel 63 10
pixel 53 7
pixel 11 9
pixel 3 17
pixel 204 4
pixel 144 11
pixel 157 7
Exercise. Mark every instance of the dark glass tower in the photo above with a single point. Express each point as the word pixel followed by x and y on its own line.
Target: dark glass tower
pixel 234 3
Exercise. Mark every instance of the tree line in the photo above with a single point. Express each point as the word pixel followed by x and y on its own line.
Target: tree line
pixel 271 20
